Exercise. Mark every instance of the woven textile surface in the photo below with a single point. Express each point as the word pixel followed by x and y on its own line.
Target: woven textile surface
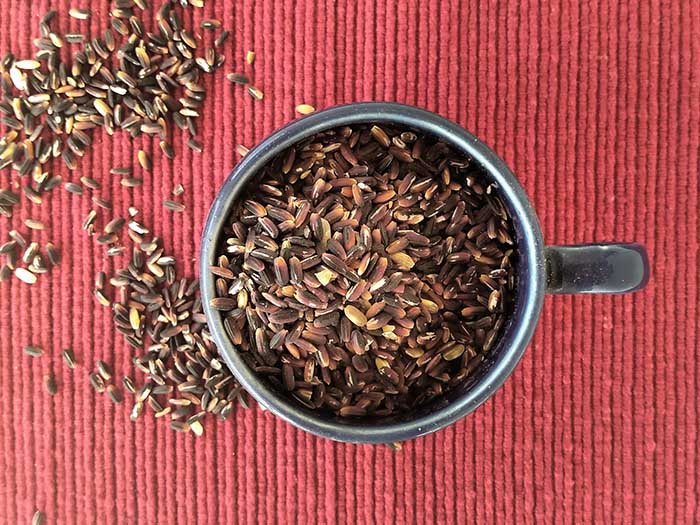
pixel 594 105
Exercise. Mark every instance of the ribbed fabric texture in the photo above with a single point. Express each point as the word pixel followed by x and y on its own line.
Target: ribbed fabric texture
pixel 595 106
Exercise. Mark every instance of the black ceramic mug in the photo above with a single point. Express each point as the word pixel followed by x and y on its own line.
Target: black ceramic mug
pixel 591 268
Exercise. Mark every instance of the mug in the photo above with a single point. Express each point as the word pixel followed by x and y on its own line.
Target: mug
pixel 587 268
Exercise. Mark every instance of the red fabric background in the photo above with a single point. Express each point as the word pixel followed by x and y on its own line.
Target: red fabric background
pixel 596 107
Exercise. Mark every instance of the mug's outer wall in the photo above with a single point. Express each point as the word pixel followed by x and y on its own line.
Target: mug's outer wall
pixel 530 284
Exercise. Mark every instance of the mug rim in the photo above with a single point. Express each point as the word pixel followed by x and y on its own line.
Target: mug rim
pixel 531 272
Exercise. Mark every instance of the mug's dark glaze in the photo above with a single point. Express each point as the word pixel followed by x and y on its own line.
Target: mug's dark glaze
pixel 614 268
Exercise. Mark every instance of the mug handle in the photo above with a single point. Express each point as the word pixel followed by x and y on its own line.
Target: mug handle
pixel 614 268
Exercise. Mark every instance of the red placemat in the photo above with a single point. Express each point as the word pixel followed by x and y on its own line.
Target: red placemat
pixel 596 107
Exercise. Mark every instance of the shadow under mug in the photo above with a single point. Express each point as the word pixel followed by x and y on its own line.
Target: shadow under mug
pixel 540 269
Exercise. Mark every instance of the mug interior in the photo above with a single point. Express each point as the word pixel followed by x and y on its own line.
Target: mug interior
pixel 515 334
